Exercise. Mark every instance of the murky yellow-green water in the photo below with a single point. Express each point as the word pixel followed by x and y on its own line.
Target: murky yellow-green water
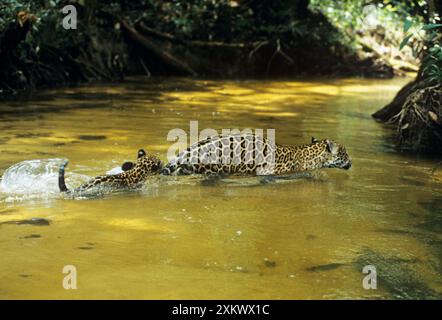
pixel 179 238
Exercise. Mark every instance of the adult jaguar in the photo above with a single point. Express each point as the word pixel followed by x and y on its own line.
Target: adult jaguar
pixel 239 154
pixel 253 154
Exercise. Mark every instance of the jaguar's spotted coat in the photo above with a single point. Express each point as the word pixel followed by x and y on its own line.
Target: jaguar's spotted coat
pixel 252 154
pixel 133 175
pixel 227 155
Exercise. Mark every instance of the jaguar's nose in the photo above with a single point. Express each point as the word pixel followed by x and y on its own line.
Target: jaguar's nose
pixel 347 166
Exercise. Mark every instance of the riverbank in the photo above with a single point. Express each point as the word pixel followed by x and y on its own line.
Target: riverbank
pixel 37 51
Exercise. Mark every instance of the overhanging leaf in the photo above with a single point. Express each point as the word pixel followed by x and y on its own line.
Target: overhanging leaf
pixel 432 26
pixel 407 25
pixel 404 41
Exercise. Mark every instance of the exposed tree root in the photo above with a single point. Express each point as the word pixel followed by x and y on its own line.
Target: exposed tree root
pixel 394 107
pixel 420 120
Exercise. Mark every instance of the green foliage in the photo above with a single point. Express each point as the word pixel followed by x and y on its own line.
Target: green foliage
pixel 220 20
pixel 432 65
pixel 378 18
pixel 404 42
pixel 430 26
pixel 361 16
pixel 287 22
pixel 227 20
pixel 47 31
pixel 429 49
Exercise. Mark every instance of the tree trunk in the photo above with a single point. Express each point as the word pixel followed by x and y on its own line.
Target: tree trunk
pixel 12 77
pixel 157 53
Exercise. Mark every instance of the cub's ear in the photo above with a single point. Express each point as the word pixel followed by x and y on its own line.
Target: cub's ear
pixel 127 166
pixel 141 153
pixel 314 140
pixel 332 147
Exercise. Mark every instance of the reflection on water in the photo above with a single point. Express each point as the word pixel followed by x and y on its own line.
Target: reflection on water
pixel 183 237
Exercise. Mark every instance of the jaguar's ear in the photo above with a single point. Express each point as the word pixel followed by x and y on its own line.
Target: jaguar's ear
pixel 332 147
pixel 141 153
pixel 127 166
pixel 314 140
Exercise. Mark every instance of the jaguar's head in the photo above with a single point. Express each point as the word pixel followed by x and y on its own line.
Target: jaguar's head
pixel 147 163
pixel 333 154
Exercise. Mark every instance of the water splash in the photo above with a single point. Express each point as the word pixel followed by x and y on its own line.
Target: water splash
pixel 115 170
pixel 32 179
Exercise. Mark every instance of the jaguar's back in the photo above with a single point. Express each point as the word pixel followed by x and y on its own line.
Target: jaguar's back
pixel 253 154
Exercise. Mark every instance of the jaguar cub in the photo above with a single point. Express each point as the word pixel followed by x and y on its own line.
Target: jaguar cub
pixel 133 174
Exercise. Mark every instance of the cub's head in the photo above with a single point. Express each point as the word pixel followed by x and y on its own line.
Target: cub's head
pixel 147 163
pixel 144 161
pixel 333 154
